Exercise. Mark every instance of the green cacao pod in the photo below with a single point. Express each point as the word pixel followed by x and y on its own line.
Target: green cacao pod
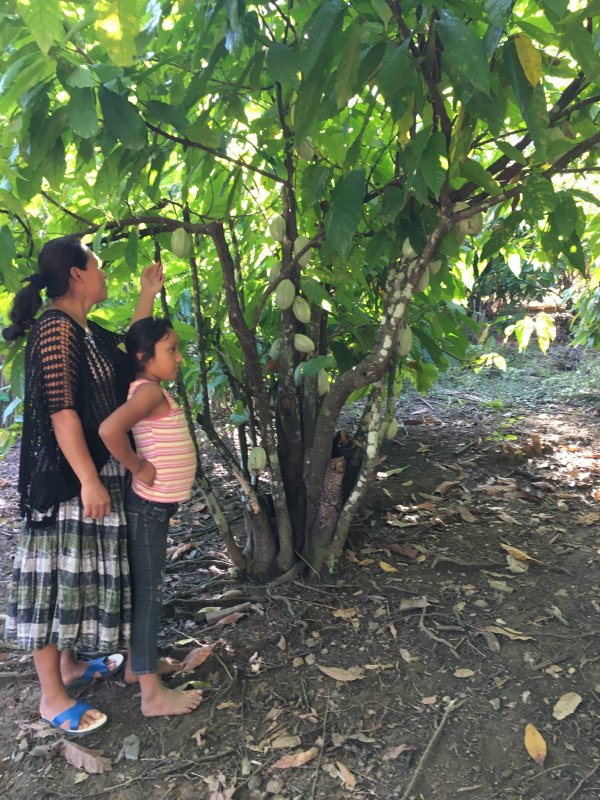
pixel 285 293
pixel 392 429
pixel 475 224
pixel 275 349
pixel 257 460
pixel 408 250
pixel 323 385
pixel 404 340
pixel 300 244
pixel 306 150
pixel 180 242
pixel 275 271
pixel 434 267
pixel 301 309
pixel 423 281
pixel 303 344
pixel 277 227
pixel 299 373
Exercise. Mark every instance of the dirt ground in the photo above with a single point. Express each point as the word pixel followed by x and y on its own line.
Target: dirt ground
pixel 414 671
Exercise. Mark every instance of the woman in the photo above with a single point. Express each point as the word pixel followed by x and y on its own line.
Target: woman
pixel 71 578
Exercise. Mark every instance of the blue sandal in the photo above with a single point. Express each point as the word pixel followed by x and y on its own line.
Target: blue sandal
pixel 99 665
pixel 73 716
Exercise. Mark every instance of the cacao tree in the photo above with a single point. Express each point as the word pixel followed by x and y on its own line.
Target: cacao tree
pixel 321 180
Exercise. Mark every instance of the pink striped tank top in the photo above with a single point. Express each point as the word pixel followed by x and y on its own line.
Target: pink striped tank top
pixel 165 441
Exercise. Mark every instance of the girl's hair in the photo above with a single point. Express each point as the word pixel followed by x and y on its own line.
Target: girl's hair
pixel 141 339
pixel 54 271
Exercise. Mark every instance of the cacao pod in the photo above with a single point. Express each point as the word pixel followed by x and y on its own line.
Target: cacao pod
pixel 423 281
pixel 275 349
pixel 475 224
pixel 277 227
pixel 306 150
pixel 301 309
pixel 434 267
pixel 275 271
pixel 257 460
pixel 303 344
pixel 392 429
pixel 408 250
pixel 404 340
pixel 299 373
pixel 300 244
pixel 285 293
pixel 463 224
pixel 180 242
pixel 322 382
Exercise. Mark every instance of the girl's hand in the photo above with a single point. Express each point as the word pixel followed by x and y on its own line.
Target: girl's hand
pixel 95 499
pixel 146 472
pixel 152 279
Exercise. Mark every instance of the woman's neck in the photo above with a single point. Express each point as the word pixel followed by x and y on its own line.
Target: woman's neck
pixel 75 307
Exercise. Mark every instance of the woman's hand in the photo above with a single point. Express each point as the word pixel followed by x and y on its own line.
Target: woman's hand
pixel 152 279
pixel 146 472
pixel 95 499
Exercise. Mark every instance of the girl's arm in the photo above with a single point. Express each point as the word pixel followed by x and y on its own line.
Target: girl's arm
pixel 69 435
pixel 147 400
pixel 151 282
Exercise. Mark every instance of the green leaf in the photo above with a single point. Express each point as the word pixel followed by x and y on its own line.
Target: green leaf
pixel 346 210
pixel 8 252
pixel 512 152
pixel 464 53
pixel 499 13
pixel 122 119
pixel 164 112
pixel 474 171
pixel 531 100
pixel 314 365
pixel 318 36
pixel 347 72
pixel 82 113
pixel 131 251
pixel 117 24
pixel 44 20
pixel 538 197
pixel 80 78
pixel 283 64
pixel 434 163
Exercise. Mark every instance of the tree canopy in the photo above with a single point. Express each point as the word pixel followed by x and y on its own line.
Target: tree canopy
pixel 343 172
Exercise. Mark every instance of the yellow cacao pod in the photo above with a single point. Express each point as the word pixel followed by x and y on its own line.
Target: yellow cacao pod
pixel 303 344
pixel 423 281
pixel 285 293
pixel 434 267
pixel 257 460
pixel 392 429
pixel 277 227
pixel 180 242
pixel 275 271
pixel 322 382
pixel 301 309
pixel 300 244
pixel 408 250
pixel 306 150
pixel 275 349
pixel 404 340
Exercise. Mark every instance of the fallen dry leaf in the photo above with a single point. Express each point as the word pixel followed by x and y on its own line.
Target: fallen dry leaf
pixel 535 744
pixel 394 752
pixel 516 567
pixel 520 555
pixel 196 657
pixel 463 673
pixel 508 632
pixel 465 514
pixel 296 759
pixel 566 705
pixel 347 777
pixel 346 613
pixel 588 519
pixel 346 675
pixel 230 619
pixel 406 656
pixel 198 736
pixel 387 567
pixel 429 701
pixel 91 761
pixel 404 550
pixel 285 742
pixel 173 553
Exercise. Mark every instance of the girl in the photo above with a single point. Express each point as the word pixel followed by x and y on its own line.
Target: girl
pixel 70 582
pixel 163 471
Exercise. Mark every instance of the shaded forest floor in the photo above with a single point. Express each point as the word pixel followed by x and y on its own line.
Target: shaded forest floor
pixel 448 641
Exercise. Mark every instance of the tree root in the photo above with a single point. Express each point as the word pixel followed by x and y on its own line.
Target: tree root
pixel 433 636
pixel 452 706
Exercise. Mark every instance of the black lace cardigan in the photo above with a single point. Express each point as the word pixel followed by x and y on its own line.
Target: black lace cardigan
pixel 65 367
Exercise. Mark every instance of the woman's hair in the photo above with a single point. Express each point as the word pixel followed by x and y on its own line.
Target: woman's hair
pixel 54 272
pixel 141 338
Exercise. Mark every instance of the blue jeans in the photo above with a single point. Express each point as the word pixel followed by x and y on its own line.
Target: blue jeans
pixel 147 527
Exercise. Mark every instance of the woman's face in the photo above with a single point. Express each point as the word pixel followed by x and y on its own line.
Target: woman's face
pixel 93 279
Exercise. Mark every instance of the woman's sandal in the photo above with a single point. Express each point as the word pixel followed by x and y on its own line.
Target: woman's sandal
pixel 99 665
pixel 73 716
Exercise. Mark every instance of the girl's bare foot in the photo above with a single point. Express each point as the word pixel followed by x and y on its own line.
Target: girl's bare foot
pixel 165 666
pixel 164 702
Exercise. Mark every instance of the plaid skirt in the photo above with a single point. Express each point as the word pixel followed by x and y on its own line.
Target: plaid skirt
pixel 70 584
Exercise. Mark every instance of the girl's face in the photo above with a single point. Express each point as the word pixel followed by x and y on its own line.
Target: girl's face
pixel 166 361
